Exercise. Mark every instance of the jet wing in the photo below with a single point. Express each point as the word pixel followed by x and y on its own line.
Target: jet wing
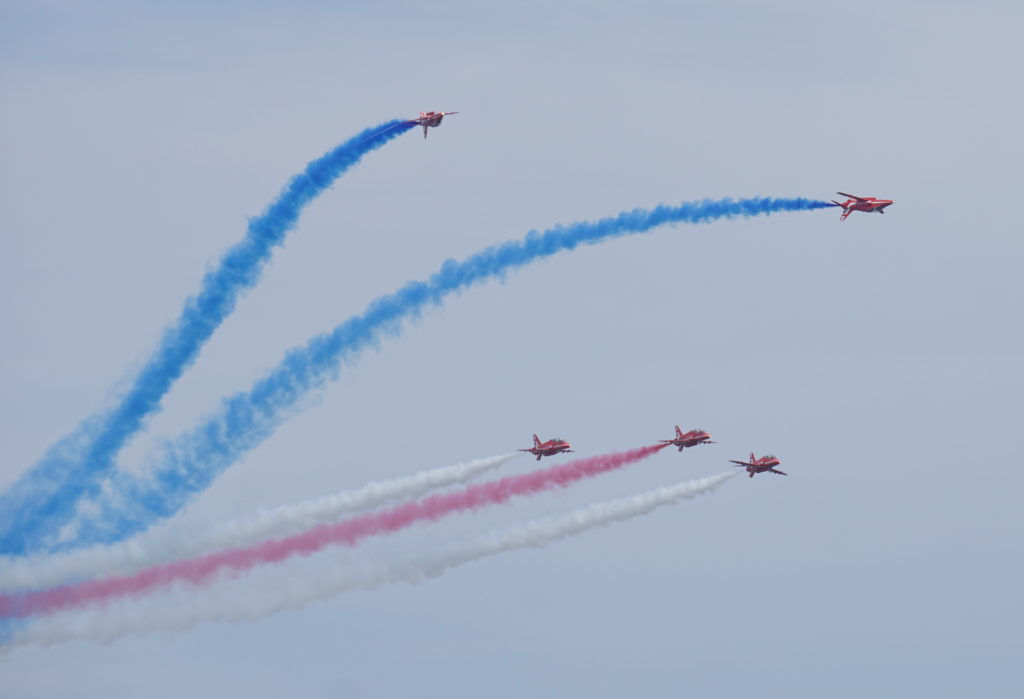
pixel 844 194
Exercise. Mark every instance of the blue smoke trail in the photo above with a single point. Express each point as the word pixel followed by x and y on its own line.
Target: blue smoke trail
pixel 244 420
pixel 43 499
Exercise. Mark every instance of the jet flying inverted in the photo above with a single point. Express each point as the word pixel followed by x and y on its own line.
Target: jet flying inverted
pixel 688 439
pixel 548 448
pixel 426 119
pixel 854 203
pixel 756 465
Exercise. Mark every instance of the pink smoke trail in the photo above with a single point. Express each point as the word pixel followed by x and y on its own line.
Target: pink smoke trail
pixel 204 569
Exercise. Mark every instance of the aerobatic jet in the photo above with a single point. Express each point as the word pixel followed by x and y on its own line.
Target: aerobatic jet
pixel 426 119
pixel 548 448
pixel 861 204
pixel 688 439
pixel 756 465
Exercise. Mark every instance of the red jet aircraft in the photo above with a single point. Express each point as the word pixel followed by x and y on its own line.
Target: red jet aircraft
pixel 426 119
pixel 688 439
pixel 548 448
pixel 756 465
pixel 861 204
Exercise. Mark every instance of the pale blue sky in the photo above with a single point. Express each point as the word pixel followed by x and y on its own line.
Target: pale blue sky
pixel 880 358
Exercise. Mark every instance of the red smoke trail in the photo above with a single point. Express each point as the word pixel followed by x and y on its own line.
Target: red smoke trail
pixel 203 570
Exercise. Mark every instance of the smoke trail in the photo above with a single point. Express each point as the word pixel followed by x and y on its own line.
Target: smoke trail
pixel 244 420
pixel 42 499
pixel 156 547
pixel 227 603
pixel 204 570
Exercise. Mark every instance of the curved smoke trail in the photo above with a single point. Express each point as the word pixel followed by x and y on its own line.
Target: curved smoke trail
pixel 42 500
pixel 205 570
pixel 228 603
pixel 156 547
pixel 244 420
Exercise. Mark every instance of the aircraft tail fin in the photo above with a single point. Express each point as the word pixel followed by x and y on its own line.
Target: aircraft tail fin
pixel 679 432
pixel 536 441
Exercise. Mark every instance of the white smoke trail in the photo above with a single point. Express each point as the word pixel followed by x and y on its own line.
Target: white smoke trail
pixel 155 547
pixel 182 608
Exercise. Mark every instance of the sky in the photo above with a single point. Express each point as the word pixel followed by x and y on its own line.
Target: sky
pixel 881 358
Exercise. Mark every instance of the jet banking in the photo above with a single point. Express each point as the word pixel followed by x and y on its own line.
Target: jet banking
pixel 764 464
pixel 426 119
pixel 688 439
pixel 855 203
pixel 548 448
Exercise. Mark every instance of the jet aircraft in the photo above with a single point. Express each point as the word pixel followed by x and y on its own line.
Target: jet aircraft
pixel 548 448
pixel 426 119
pixel 854 203
pixel 756 465
pixel 688 439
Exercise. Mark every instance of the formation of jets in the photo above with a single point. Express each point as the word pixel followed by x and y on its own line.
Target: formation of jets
pixel 764 464
pixel 855 203
pixel 852 203
pixel 692 438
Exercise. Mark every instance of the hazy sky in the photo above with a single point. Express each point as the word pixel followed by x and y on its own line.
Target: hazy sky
pixel 881 358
